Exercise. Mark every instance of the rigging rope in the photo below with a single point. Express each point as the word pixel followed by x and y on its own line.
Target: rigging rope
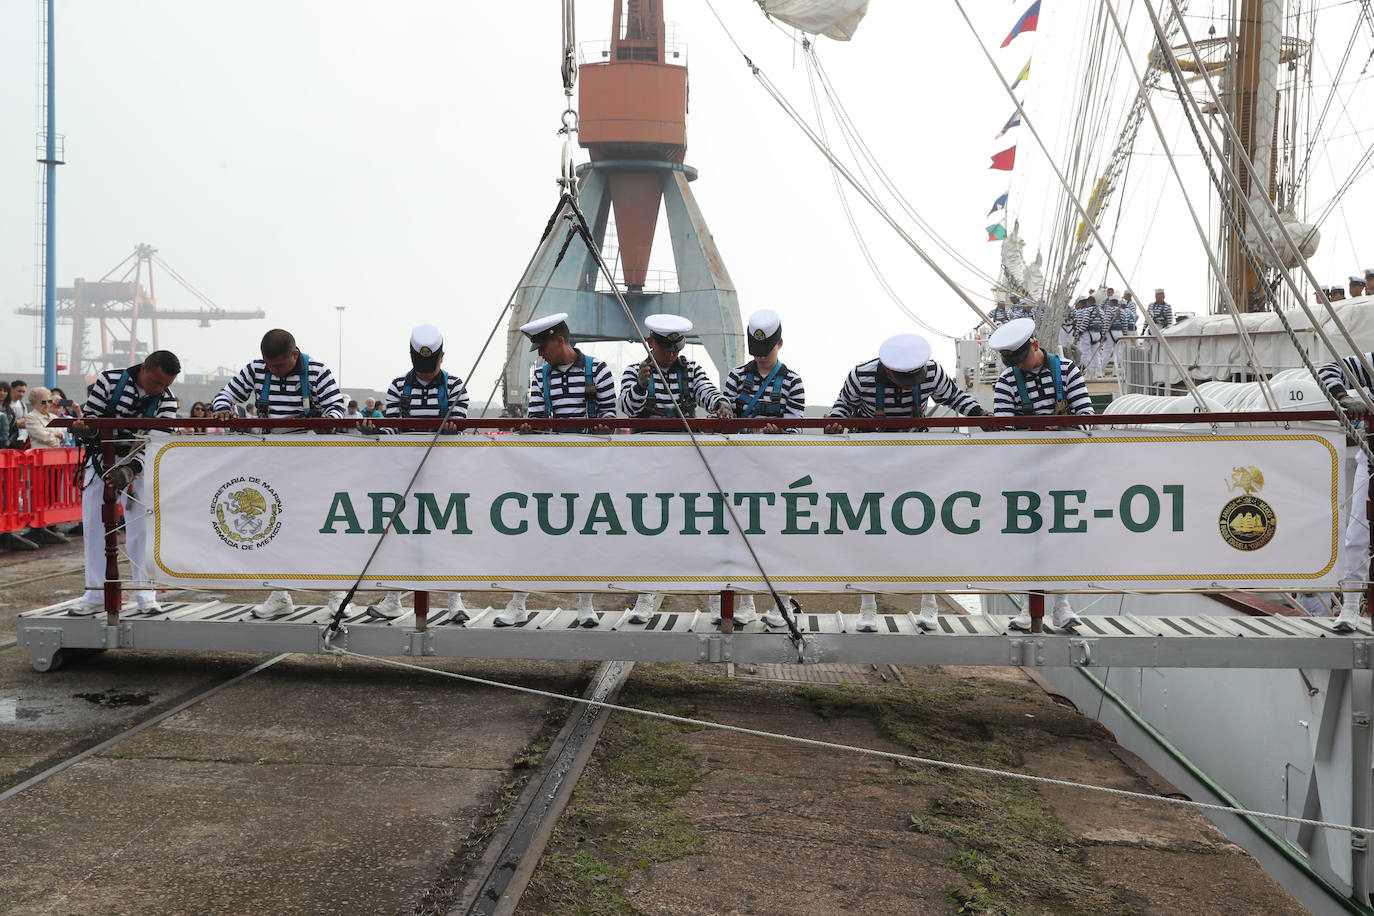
pixel 338 616
pixel 854 749
pixel 584 230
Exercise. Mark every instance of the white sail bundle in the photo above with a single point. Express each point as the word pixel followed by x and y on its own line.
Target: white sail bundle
pixel 1305 235
pixel 837 19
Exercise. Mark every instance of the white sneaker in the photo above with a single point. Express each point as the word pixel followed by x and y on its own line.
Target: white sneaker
pixel 86 609
pixel 1350 615
pixel 149 607
pixel 389 608
pixel 455 607
pixel 774 618
pixel 586 613
pixel 332 601
pixel 1021 622
pixel 645 606
pixel 1063 617
pixel 868 615
pixel 928 619
pixel 514 612
pixel 277 604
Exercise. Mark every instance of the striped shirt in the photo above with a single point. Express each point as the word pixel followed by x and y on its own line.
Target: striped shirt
pixel 568 394
pixel 1162 313
pixel 1000 315
pixel 284 394
pixel 424 400
pixel 868 393
pixel 1006 395
pixel 785 395
pixel 133 402
pixel 688 382
pixel 1342 375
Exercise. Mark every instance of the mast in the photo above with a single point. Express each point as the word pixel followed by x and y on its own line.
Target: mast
pixel 1251 102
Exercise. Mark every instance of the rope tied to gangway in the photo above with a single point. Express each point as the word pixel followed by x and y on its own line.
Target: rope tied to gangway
pixel 913 759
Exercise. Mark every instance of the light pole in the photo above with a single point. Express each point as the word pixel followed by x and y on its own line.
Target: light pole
pixel 338 370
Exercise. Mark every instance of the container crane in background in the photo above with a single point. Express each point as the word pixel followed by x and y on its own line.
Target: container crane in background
pixel 633 123
pixel 116 303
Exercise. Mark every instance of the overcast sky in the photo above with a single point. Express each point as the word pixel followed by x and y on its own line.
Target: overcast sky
pixel 399 160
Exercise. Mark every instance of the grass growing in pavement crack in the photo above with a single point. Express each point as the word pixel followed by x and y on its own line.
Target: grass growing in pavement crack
pixel 622 817
pixel 1013 852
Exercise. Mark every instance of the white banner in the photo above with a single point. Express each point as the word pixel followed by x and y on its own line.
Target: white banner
pixel 1061 511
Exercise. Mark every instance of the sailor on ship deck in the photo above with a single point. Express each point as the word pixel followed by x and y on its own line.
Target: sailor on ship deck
pixel 426 391
pixel 139 391
pixel 570 383
pixel 284 382
pixel 1339 377
pixel 897 384
pixel 1036 383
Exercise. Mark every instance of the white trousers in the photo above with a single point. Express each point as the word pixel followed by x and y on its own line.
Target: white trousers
pixel 1357 530
pixel 137 519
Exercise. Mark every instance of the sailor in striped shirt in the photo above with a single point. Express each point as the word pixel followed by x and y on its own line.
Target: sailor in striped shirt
pixel 1339 377
pixel 762 387
pixel 426 391
pixel 1161 311
pixel 642 394
pixel 1037 383
pixel 1001 314
pixel 570 383
pixel 139 391
pixel 284 383
pixel 878 389
pixel 897 384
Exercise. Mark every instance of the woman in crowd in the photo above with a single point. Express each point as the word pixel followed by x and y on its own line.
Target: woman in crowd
pixel 40 414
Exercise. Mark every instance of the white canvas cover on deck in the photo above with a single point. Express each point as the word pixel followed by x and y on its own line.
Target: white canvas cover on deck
pixel 837 19
pixel 1211 349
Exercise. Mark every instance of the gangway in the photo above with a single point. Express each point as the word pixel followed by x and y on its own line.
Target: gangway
pixel 982 640
pixel 1160 642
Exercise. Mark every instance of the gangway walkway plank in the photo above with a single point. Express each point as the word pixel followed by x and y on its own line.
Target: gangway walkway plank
pixel 689 636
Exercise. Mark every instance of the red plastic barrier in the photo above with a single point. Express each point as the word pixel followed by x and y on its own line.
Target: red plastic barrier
pixel 56 497
pixel 13 494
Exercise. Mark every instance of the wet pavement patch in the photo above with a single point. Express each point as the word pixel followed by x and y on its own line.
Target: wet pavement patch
pixel 116 699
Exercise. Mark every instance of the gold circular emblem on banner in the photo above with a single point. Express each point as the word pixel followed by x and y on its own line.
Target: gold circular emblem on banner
pixel 1247 523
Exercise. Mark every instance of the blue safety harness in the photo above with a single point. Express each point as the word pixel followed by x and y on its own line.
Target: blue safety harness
pixel 150 410
pixel 443 393
pixel 589 392
pixel 772 407
pixel 1060 405
pixel 264 399
pixel 685 399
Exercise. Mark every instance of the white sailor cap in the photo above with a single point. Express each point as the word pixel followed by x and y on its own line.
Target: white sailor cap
pixel 1159 289
pixel 765 330
pixel 541 329
pixel 426 345
pixel 905 352
pixel 1356 280
pixel 1368 272
pixel 671 330
pixel 1012 340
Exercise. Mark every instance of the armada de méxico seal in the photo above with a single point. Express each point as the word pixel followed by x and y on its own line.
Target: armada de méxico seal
pixel 246 513
pixel 1247 522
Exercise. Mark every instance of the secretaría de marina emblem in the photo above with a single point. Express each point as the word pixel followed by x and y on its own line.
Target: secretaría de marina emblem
pixel 1247 522
pixel 246 513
